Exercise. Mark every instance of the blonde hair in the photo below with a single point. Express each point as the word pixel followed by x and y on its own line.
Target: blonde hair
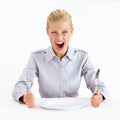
pixel 58 15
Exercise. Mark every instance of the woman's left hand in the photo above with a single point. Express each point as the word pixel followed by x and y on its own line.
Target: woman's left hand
pixel 96 99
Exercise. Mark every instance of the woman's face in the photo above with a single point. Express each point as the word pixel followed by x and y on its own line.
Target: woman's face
pixel 59 33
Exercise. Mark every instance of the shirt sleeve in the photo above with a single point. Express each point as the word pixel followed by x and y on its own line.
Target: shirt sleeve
pixel 89 74
pixel 26 79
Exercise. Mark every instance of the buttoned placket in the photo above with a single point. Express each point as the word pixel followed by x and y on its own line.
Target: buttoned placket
pixel 62 81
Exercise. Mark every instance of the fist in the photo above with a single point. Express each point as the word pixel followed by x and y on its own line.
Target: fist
pixel 96 99
pixel 28 99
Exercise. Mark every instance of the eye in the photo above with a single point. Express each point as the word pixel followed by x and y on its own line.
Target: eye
pixel 65 32
pixel 53 32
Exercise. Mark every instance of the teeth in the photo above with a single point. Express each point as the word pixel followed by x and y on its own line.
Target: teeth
pixel 59 42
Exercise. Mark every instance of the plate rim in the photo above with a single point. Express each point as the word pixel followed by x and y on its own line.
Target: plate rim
pixel 42 103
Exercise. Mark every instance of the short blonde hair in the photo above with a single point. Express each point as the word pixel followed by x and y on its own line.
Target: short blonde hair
pixel 58 15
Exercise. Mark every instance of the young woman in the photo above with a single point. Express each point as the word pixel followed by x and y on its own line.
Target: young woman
pixel 59 68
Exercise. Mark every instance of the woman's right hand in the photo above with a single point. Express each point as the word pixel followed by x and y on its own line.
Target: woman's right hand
pixel 29 99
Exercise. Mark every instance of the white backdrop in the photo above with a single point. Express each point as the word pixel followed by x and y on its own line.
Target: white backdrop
pixel 96 30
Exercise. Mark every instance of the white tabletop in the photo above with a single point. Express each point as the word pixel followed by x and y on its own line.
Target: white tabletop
pixel 11 110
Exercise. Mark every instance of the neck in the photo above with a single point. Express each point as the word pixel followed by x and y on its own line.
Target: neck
pixel 61 55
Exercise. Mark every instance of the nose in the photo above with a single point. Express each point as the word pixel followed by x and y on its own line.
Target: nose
pixel 59 36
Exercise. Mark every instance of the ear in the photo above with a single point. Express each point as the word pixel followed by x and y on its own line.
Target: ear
pixel 47 31
pixel 72 30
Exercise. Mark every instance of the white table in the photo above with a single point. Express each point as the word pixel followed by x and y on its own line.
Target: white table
pixel 11 110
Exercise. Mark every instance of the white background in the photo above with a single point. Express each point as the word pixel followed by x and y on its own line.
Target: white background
pixel 96 30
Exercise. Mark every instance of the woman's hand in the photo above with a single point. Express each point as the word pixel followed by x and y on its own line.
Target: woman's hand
pixel 28 99
pixel 96 99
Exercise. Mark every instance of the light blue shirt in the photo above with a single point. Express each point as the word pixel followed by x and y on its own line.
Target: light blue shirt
pixel 58 78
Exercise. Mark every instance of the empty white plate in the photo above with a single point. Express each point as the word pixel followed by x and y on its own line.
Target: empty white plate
pixel 62 103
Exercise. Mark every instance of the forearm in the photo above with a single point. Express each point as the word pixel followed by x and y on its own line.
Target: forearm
pixel 103 90
pixel 18 92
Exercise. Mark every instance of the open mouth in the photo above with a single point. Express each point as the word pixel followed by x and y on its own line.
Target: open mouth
pixel 60 45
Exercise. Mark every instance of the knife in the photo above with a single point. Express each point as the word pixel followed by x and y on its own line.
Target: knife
pixel 97 80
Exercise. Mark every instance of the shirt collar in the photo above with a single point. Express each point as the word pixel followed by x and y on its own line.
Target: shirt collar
pixel 70 53
pixel 50 53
